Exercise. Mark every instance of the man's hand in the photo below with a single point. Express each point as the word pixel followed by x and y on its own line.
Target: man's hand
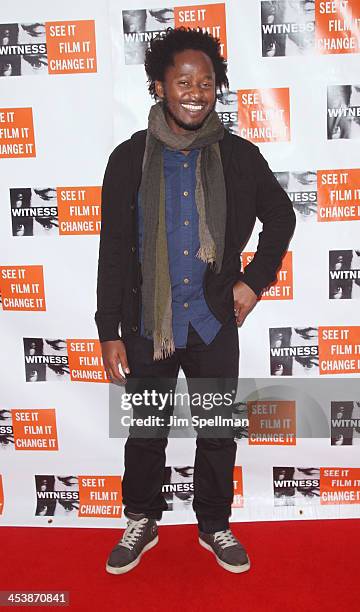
pixel 114 354
pixel 244 301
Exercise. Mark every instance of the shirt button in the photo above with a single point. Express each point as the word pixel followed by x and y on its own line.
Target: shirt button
pixel 186 222
pixel 186 193
pixel 186 165
pixel 186 281
pixel 186 252
pixel 186 305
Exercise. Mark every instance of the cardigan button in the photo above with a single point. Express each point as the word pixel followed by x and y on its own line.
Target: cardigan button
pixel 133 249
pixel 134 328
pixel 134 289
pixel 132 206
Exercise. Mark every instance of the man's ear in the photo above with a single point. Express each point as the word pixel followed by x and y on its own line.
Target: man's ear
pixel 159 89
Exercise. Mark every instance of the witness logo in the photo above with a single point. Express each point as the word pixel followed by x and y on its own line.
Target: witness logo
pixel 178 487
pixel 339 195
pixel 295 486
pixel 301 27
pixel 339 485
pixel 35 429
pixel 294 351
pixel 264 114
pixel 282 289
pixel 57 496
pixel 55 211
pixel 77 496
pixel 142 25
pixel 301 188
pixel 6 429
pixel 288 28
pixel 227 110
pixel 344 275
pixel 60 47
pixel 339 350
pixel 54 360
pixel 22 288
pixel 17 133
pixel 345 423
pixel 343 112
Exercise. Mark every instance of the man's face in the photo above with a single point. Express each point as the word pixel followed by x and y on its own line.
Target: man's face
pixel 188 91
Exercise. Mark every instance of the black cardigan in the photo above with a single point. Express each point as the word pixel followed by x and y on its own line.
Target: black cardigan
pixel 252 191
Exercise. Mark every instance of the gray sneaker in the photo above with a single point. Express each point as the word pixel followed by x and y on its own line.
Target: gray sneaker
pixel 229 553
pixel 140 535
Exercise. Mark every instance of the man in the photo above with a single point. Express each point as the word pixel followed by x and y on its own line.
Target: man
pixel 179 202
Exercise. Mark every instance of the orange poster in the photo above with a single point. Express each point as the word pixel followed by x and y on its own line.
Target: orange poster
pixel 22 288
pixel 17 137
pixel 340 485
pixel 339 350
pixel 71 46
pixel 272 422
pixel 264 114
pixel 338 26
pixel 339 195
pixel 282 289
pixel 85 361
pixel 79 210
pixel 100 496
pixel 35 429
pixel 238 501
pixel 206 17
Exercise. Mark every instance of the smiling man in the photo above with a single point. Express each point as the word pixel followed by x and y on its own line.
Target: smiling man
pixel 179 202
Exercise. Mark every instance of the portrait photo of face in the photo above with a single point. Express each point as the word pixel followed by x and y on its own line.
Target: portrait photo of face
pixel 344 274
pixel 20 61
pixel 301 188
pixel 6 429
pixel 23 203
pixel 288 27
pixel 178 488
pixel 227 110
pixel 50 504
pixel 343 115
pixel 305 362
pixel 140 25
pixel 43 369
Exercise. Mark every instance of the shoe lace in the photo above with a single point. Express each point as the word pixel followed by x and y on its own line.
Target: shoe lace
pixel 132 532
pixel 225 538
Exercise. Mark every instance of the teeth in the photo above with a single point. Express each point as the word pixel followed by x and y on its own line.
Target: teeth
pixel 192 107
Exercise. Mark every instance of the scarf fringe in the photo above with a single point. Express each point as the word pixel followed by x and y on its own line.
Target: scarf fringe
pixel 206 254
pixel 164 348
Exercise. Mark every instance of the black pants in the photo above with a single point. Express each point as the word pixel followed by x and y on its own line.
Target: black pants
pixel 215 457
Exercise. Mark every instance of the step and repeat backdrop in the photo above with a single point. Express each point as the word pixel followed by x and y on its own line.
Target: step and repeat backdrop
pixel 72 87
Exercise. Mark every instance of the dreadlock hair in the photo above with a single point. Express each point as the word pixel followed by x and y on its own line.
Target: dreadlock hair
pixel 160 54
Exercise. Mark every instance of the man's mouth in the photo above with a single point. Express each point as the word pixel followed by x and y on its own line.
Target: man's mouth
pixel 193 108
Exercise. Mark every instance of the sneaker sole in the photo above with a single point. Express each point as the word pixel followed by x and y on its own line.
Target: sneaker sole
pixel 126 568
pixel 235 569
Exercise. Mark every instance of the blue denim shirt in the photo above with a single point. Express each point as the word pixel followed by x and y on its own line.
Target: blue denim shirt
pixel 186 270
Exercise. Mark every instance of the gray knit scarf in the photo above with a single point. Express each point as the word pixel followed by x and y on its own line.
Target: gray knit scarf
pixel 210 196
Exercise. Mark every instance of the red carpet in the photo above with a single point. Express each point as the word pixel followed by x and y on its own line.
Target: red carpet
pixel 296 566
